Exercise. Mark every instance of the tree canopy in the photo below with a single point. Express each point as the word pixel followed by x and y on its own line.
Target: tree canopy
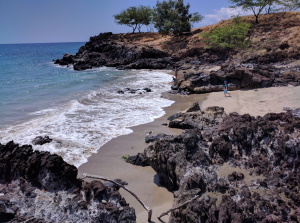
pixel 256 6
pixel 174 17
pixel 135 17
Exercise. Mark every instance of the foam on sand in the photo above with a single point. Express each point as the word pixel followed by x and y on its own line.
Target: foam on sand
pixel 80 127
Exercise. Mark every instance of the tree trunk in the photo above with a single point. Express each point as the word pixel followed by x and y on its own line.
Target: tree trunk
pixel 256 19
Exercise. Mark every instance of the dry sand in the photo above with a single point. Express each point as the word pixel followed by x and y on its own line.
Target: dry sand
pixel 256 102
pixel 143 181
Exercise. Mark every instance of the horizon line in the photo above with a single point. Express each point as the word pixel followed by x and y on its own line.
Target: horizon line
pixel 42 42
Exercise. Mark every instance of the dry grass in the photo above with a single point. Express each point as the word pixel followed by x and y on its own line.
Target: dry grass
pixel 273 29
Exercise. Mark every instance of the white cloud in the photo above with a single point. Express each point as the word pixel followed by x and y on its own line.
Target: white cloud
pixel 223 14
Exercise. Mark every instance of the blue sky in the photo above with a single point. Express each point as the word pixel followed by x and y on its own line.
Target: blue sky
pixel 40 21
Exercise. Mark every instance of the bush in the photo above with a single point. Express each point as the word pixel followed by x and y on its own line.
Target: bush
pixel 230 36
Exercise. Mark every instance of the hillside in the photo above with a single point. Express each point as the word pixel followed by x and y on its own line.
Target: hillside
pixel 275 39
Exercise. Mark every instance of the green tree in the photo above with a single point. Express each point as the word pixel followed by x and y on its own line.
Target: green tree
pixel 256 6
pixel 135 17
pixel 173 16
pixel 230 36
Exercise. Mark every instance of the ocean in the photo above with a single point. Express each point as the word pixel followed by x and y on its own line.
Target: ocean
pixel 79 110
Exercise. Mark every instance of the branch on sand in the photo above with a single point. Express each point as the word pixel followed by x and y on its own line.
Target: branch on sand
pixel 179 206
pixel 129 191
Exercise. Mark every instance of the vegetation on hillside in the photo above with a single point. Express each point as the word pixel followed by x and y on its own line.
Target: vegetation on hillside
pixel 276 36
pixel 231 36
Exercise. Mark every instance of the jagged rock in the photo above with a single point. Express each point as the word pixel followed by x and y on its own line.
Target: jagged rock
pixel 268 147
pixel 40 187
pixel 236 176
pixel 175 116
pixel 199 119
pixel 135 91
pixel 149 139
pixel 238 77
pixel 140 160
pixel 40 140
pixel 110 50
pixel 195 107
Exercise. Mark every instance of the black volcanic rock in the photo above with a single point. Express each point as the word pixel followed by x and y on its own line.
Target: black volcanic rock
pixel 139 160
pixel 265 149
pixel 268 63
pixel 238 77
pixel 40 187
pixel 41 140
pixel 134 91
pixel 110 50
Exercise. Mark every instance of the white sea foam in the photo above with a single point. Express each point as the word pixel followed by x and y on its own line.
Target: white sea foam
pixel 44 111
pixel 80 127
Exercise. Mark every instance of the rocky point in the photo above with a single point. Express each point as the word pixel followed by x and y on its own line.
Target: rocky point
pixel 40 187
pixel 244 168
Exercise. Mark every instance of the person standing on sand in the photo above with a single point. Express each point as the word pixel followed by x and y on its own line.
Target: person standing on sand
pixel 225 92
pixel 175 75
pixel 225 89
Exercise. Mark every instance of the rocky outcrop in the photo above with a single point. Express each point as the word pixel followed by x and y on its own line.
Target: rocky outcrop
pixel 111 50
pixel 274 40
pixel 245 169
pixel 265 63
pixel 243 76
pixel 40 187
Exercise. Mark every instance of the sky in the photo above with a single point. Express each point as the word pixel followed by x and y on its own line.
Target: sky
pixel 46 21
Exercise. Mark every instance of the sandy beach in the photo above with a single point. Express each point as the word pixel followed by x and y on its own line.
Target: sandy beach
pixel 143 180
pixel 256 102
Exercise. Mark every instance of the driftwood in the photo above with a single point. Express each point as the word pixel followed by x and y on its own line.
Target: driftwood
pixel 179 206
pixel 120 185
pixel 29 220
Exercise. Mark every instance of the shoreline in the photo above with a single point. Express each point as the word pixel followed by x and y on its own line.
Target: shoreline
pixel 108 162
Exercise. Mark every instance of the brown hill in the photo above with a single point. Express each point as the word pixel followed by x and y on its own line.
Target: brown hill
pixel 277 33
pixel 274 32
pixel 275 39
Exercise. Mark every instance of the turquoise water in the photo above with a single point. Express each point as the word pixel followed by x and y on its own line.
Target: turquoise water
pixel 29 81
pixel 79 110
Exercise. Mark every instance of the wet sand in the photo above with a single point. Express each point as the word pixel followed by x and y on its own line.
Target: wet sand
pixel 143 181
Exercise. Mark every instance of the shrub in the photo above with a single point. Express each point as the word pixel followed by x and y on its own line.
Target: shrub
pixel 230 36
